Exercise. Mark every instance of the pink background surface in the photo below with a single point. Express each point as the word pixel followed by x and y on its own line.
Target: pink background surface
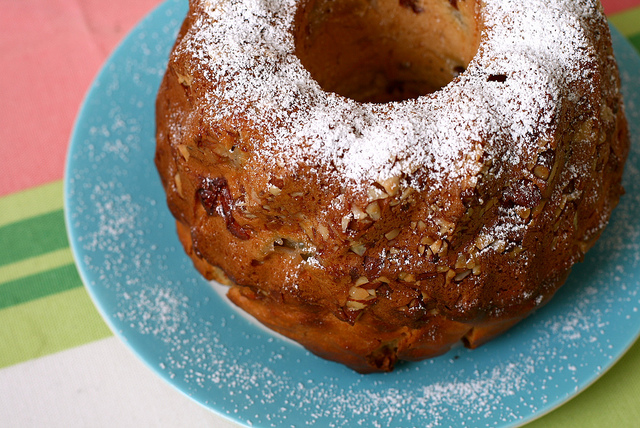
pixel 614 6
pixel 50 51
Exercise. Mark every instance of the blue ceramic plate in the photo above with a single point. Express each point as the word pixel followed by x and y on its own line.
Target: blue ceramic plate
pixel 126 249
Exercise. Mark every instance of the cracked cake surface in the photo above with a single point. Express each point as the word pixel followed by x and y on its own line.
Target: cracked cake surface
pixel 379 180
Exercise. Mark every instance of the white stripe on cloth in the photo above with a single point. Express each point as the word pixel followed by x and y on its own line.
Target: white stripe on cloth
pixel 100 384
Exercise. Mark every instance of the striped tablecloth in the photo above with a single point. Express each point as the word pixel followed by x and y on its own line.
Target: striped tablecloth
pixel 59 363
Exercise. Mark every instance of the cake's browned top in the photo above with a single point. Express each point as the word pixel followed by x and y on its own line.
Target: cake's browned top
pixel 505 106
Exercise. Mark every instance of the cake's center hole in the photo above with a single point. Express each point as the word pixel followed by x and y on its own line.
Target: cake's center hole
pixel 386 50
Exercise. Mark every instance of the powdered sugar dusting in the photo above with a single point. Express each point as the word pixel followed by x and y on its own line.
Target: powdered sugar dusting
pixel 246 49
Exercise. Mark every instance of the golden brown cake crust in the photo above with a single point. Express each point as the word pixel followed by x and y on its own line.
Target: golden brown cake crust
pixel 366 261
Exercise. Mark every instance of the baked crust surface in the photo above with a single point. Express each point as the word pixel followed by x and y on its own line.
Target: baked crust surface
pixel 367 261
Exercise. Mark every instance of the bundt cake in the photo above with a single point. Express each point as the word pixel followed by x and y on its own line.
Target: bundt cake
pixel 380 179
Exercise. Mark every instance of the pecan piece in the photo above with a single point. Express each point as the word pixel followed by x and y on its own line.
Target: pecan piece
pixel 215 197
pixel 413 5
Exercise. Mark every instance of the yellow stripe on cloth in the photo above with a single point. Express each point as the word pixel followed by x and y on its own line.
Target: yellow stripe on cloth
pixel 627 22
pixel 31 203
pixel 47 325
pixel 35 265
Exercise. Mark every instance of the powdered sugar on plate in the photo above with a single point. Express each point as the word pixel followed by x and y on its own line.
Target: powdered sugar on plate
pixel 147 290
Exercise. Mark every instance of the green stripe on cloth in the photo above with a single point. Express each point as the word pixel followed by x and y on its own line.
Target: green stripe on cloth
pixel 31 203
pixel 627 22
pixel 34 265
pixel 39 285
pixel 635 40
pixel 33 237
pixel 49 325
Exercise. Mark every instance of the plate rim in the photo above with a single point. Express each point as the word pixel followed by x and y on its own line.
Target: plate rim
pixel 86 276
